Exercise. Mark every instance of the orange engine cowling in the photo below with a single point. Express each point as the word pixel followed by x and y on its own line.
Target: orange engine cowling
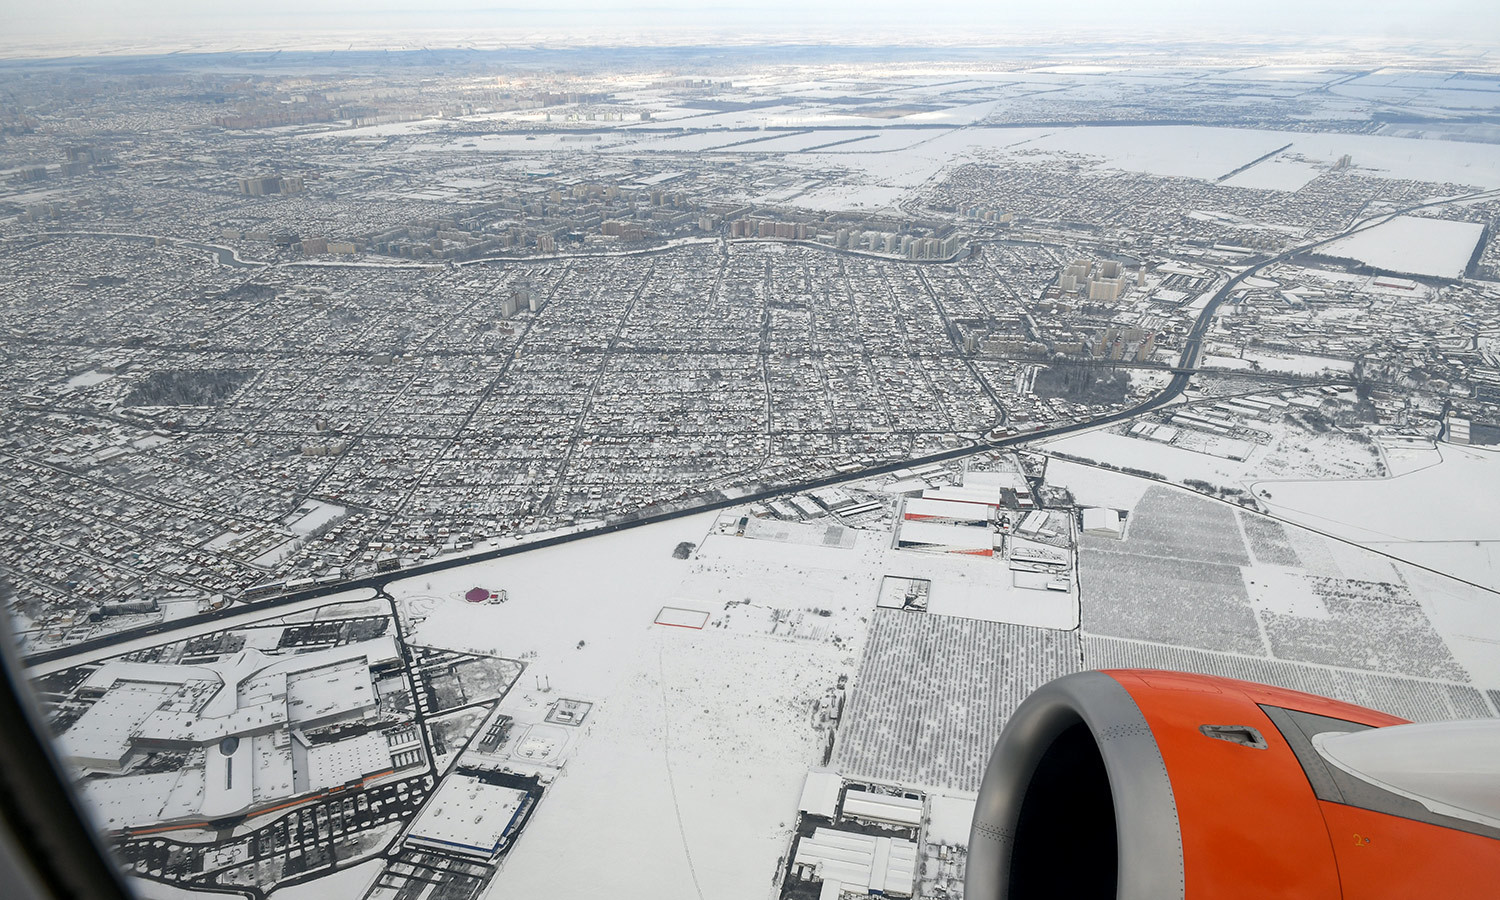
pixel 1147 785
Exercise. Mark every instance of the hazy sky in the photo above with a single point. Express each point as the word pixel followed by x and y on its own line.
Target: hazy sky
pixel 165 21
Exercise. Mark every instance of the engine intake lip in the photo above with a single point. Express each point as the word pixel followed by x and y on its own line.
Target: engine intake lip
pixel 1148 838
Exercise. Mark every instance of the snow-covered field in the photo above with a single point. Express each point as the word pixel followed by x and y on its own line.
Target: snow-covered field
pixel 1276 174
pixel 888 141
pixel 1368 622
pixel 1290 453
pixel 966 586
pixel 553 143
pixel 934 691
pixel 1201 152
pixel 687 785
pixel 1092 486
pixel 605 592
pixel 1445 516
pixel 889 164
pixel 1299 364
pixel 699 738
pixel 1176 150
pixel 1413 245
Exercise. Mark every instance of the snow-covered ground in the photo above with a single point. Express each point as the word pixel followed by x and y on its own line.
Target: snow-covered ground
pixel 1202 152
pixel 347 882
pixel 687 786
pixel 386 129
pixel 698 737
pixel 1300 364
pixel 88 379
pixel 1445 516
pixel 1276 174
pixel 1410 455
pixel 603 591
pixel 1322 604
pixel 1174 150
pixel 889 165
pixel 312 515
pixel 1092 486
pixel 1413 245
pixel 973 587
pixel 1289 453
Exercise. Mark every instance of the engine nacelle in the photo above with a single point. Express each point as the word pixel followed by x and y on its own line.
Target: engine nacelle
pixel 1150 785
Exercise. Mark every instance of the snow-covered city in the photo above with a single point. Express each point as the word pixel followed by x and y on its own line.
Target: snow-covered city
pixel 661 474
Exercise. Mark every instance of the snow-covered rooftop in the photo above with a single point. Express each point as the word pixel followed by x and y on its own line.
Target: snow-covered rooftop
pixel 960 537
pixel 334 690
pixel 239 711
pixel 883 808
pixel 862 863
pixel 1097 520
pixel 820 793
pixel 340 762
pixel 468 816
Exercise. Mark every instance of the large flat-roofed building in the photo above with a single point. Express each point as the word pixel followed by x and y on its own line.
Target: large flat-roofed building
pixel 992 489
pixel 856 863
pixel 1103 522
pixel 820 793
pixel 249 715
pixel 946 539
pixel 889 809
pixel 329 693
pixel 946 512
pixel 470 817
pixel 104 736
pixel 1003 481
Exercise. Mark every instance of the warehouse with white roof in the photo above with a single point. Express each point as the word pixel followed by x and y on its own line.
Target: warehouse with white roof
pixel 946 512
pixel 1103 522
pixel 885 809
pixel 858 863
pixel 470 817
pixel 916 535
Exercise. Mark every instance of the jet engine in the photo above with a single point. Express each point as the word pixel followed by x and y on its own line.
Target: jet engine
pixel 1137 784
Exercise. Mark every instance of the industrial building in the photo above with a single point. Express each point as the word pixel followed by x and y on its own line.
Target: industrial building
pixel 884 809
pixel 861 863
pixel 470 817
pixel 854 861
pixel 242 726
pixel 946 512
pixel 993 489
pixel 946 539
pixel 1103 522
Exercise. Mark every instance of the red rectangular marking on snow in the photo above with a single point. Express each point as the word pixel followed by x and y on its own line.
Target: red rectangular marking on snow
pixel 682 618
